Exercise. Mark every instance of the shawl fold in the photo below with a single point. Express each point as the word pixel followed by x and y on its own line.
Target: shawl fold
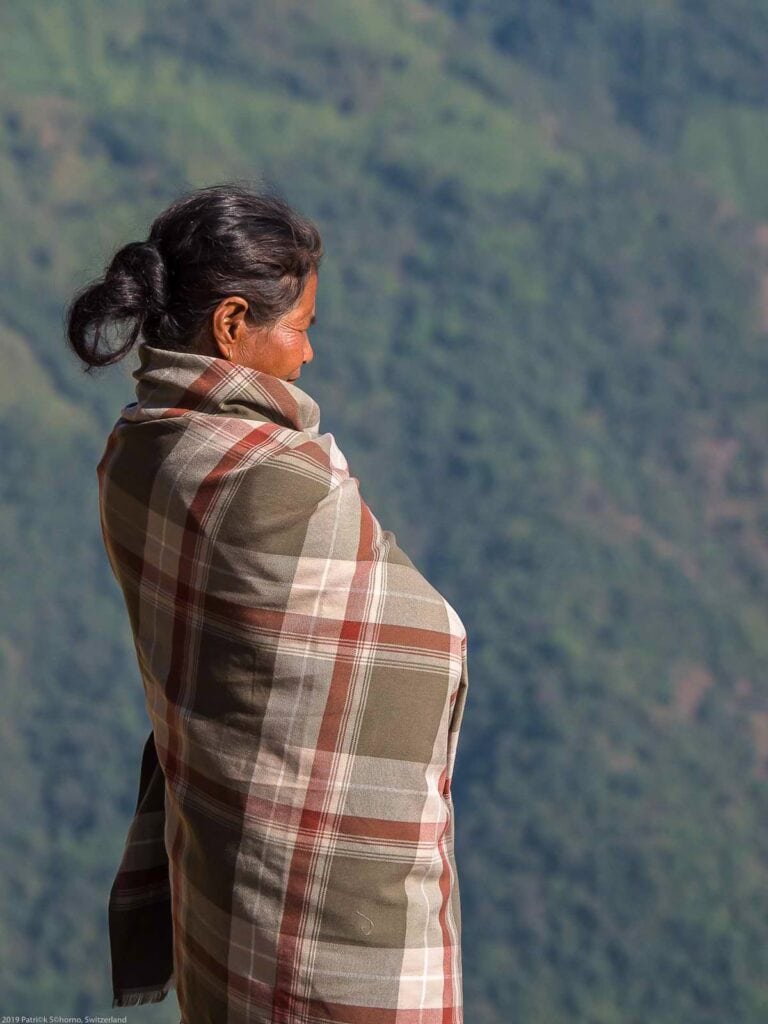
pixel 291 856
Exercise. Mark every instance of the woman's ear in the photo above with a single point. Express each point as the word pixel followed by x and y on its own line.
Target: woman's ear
pixel 228 326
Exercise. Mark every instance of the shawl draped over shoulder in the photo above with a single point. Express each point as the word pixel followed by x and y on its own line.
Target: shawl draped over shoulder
pixel 291 856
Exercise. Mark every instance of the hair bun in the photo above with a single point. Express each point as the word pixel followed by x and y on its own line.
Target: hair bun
pixel 143 263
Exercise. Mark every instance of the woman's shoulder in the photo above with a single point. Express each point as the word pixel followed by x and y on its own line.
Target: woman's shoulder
pixel 316 452
pixel 282 475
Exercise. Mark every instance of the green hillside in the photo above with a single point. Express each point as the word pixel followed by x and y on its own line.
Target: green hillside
pixel 542 345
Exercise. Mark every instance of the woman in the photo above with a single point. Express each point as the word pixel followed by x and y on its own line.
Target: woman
pixel 291 856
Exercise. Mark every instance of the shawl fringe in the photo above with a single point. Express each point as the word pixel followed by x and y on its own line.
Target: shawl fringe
pixel 140 996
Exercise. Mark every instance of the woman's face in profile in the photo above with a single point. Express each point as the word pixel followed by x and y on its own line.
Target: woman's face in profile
pixel 279 350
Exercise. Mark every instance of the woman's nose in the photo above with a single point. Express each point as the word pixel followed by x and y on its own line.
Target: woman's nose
pixel 309 355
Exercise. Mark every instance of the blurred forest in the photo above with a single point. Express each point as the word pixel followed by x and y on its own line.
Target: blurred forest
pixel 541 343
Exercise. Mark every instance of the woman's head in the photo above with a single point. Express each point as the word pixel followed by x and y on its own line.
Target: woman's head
pixel 225 271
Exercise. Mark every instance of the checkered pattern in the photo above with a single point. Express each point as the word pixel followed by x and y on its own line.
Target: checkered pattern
pixel 291 857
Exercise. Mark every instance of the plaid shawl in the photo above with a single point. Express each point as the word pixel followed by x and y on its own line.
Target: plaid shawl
pixel 291 858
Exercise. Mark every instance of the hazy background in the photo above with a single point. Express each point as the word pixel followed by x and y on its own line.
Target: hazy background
pixel 542 344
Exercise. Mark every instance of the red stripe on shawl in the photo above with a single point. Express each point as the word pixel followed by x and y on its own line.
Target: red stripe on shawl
pixel 202 502
pixel 345 632
pixel 300 872
pixel 246 804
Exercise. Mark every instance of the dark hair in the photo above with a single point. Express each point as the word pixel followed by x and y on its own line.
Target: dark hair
pixel 209 243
